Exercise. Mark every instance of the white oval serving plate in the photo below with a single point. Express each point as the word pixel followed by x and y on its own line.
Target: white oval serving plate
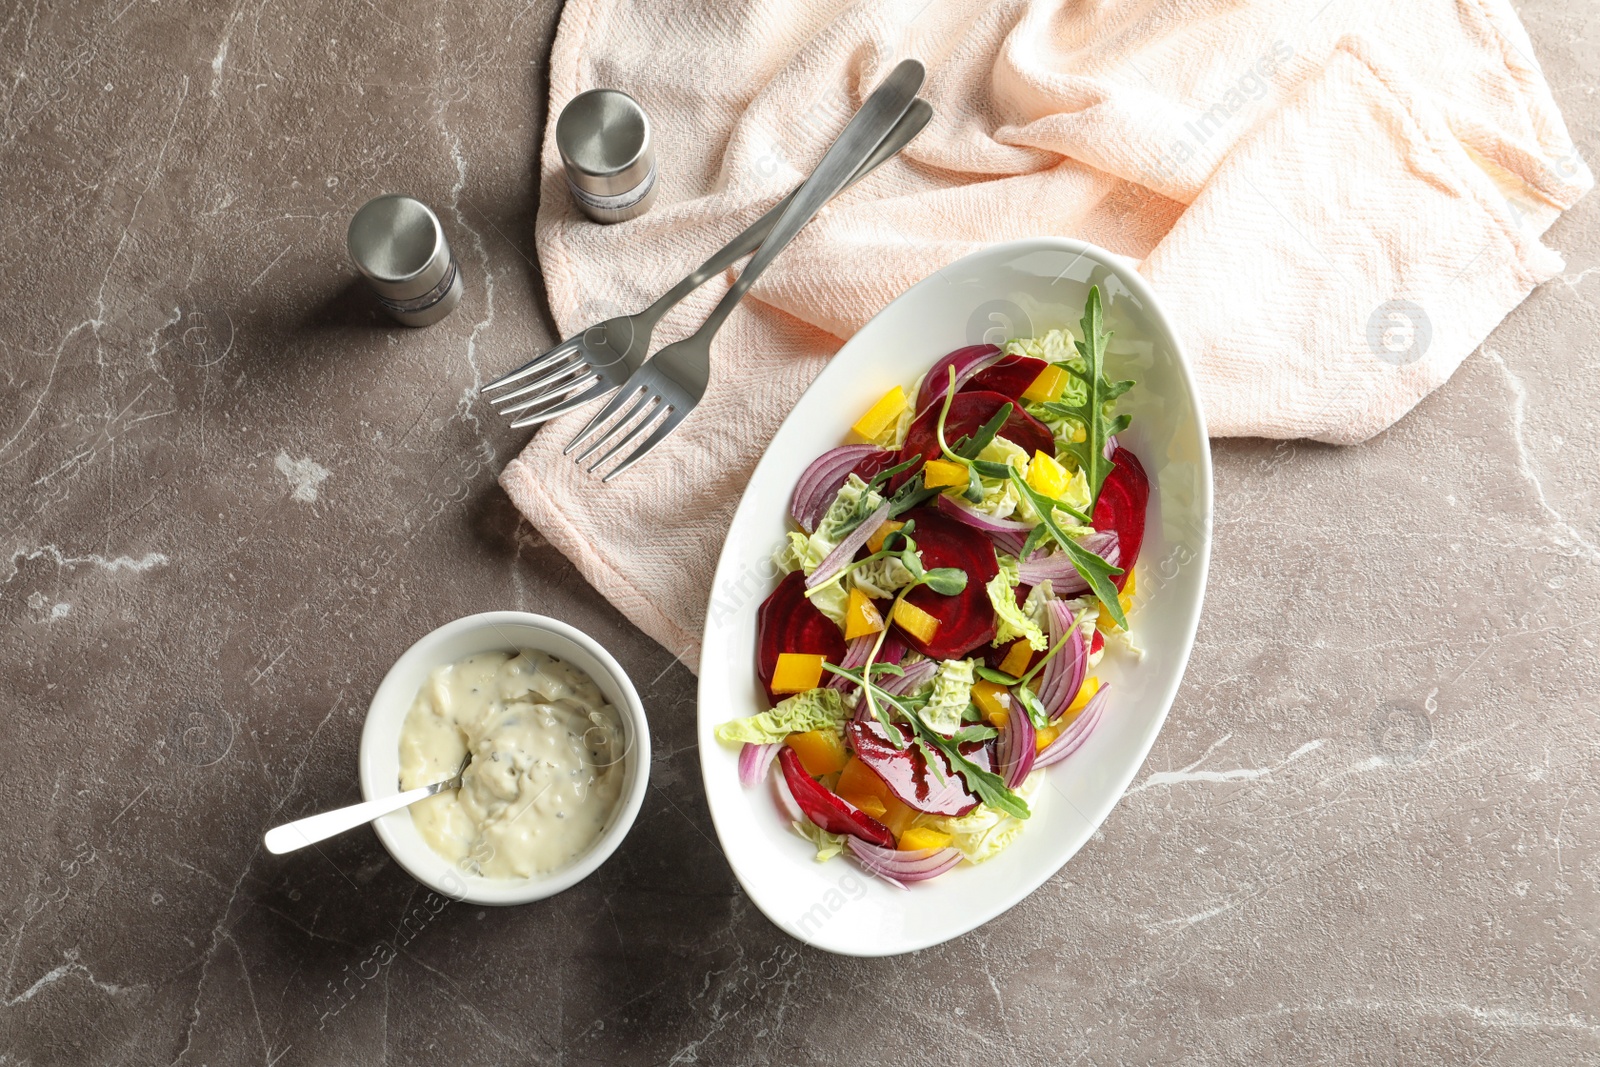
pixel 1018 289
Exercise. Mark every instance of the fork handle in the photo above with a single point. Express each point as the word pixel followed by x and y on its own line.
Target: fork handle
pixel 865 132
pixel 911 123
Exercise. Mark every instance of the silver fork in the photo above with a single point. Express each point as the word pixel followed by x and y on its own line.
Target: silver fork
pixel 665 389
pixel 590 364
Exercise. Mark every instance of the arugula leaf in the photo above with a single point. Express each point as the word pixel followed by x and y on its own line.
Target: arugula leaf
pixel 933 764
pixel 990 469
pixel 881 479
pixel 980 440
pixel 1098 397
pixel 1095 570
pixel 946 581
pixel 878 710
pixel 989 674
pixel 974 733
pixel 990 787
pixel 911 495
pixel 1033 542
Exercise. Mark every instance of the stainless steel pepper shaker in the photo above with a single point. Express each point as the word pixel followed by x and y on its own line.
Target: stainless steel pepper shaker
pixel 399 245
pixel 609 155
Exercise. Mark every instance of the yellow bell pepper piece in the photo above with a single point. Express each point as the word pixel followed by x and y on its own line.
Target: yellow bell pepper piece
pixel 872 805
pixel 1048 477
pixel 937 473
pixel 994 700
pixel 857 780
pixel 862 617
pixel 881 414
pixel 1086 692
pixel 898 816
pixel 1042 738
pixel 1047 386
pixel 914 621
pixel 920 837
pixel 875 542
pixel 821 751
pixel 796 672
pixel 1017 658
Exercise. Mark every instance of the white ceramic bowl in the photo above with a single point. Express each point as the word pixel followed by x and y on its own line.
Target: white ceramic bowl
pixel 495 631
pixel 1018 289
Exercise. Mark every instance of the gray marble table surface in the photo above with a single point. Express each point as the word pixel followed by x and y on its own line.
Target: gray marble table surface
pixel 233 494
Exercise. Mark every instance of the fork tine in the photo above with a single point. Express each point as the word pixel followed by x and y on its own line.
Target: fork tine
pixel 542 370
pixel 646 398
pixel 669 424
pixel 640 427
pixel 556 403
pixel 543 381
pixel 625 394
pixel 576 379
pixel 569 345
pixel 561 407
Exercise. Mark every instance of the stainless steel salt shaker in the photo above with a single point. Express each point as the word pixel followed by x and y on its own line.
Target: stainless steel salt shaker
pixel 609 155
pixel 399 245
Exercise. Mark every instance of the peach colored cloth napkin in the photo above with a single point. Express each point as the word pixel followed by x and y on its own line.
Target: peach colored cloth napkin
pixel 1335 207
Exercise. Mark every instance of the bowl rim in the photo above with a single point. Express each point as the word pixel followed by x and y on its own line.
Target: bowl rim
pixel 415 856
pixel 1126 271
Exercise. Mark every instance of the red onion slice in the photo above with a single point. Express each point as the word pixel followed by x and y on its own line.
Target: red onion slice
pixel 897 867
pixel 1009 543
pixel 978 520
pixel 1073 737
pixel 967 362
pixel 855 657
pixel 1056 566
pixel 845 551
pixel 1102 543
pixel 916 675
pixel 821 481
pixel 753 762
pixel 1062 677
pixel 786 802
pixel 1014 748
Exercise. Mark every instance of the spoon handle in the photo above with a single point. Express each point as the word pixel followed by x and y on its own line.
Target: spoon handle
pixel 314 828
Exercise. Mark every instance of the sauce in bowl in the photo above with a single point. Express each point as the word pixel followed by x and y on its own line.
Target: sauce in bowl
pixel 547 762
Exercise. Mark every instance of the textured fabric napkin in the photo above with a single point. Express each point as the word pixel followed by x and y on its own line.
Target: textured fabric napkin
pixel 1335 208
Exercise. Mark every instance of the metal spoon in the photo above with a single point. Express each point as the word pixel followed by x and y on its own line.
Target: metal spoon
pixel 314 828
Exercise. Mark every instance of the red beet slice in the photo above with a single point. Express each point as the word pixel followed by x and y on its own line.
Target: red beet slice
pixel 1123 499
pixel 966 619
pixel 937 380
pixel 788 622
pixel 828 810
pixel 968 414
pixel 907 774
pixel 1010 376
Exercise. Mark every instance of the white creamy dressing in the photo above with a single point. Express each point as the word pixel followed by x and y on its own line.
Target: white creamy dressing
pixel 547 762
